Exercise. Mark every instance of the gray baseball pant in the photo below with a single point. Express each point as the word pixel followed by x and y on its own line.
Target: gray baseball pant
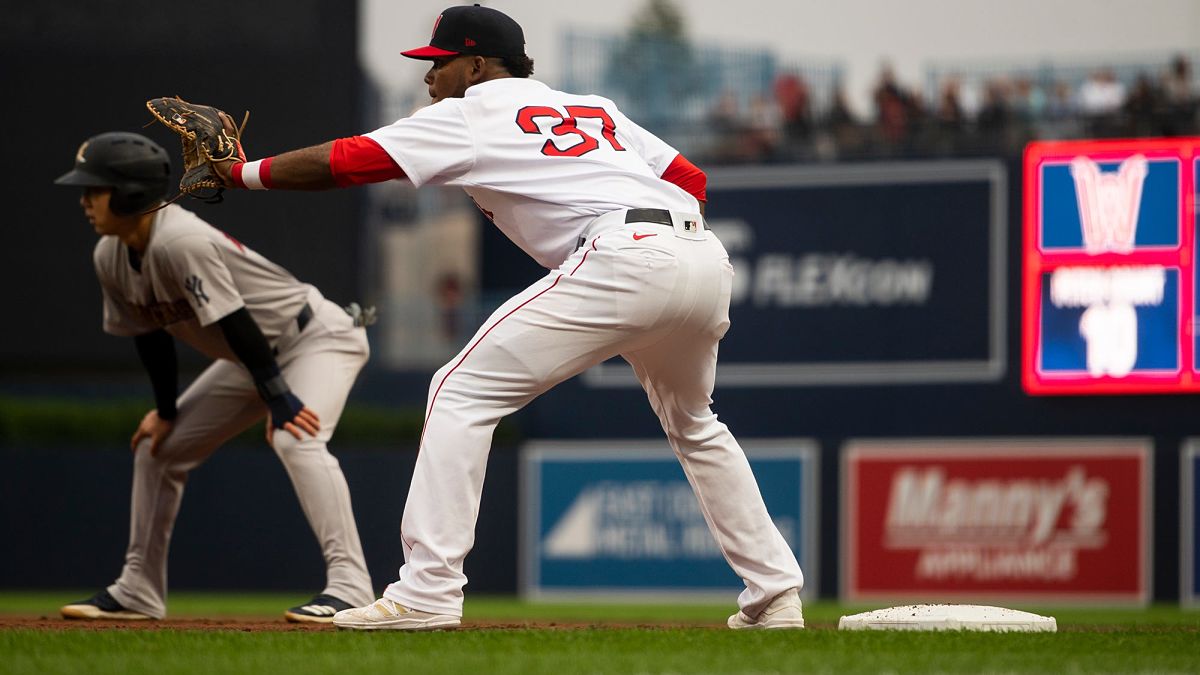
pixel 320 365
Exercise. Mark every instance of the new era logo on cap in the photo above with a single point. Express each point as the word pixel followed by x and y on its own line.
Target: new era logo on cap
pixel 471 29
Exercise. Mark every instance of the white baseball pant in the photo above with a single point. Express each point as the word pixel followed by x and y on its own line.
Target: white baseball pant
pixel 320 365
pixel 659 297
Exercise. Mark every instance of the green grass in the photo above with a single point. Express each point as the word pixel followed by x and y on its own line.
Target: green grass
pixel 608 651
pixel 1159 639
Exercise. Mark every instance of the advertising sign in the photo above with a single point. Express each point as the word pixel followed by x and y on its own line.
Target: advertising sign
pixel 841 271
pixel 620 518
pixel 1110 276
pixel 1189 520
pixel 1039 520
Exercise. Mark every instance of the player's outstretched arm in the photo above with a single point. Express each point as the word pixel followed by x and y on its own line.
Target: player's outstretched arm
pixel 357 160
pixel 303 169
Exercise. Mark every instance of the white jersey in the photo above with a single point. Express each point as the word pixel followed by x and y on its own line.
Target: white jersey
pixel 191 275
pixel 541 163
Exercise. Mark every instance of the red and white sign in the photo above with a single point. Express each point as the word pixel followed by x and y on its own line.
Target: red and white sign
pixel 1030 519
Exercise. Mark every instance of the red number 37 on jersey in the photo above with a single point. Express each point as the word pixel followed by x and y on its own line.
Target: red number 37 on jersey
pixel 566 126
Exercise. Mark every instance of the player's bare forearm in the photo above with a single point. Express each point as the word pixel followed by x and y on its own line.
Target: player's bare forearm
pixel 303 169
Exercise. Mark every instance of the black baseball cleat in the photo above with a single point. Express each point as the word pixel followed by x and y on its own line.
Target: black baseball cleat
pixel 318 610
pixel 101 606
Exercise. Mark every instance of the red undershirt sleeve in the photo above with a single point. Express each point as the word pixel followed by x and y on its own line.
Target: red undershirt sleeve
pixel 358 160
pixel 688 176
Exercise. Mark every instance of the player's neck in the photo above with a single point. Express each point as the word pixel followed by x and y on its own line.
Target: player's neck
pixel 137 237
pixel 490 72
pixel 494 75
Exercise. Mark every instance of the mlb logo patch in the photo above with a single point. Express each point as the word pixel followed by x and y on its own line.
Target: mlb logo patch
pixel 691 226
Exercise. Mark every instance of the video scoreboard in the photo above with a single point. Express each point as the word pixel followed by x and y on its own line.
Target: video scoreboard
pixel 1110 277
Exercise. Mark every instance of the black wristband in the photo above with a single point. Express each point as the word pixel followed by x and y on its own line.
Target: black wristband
pixel 271 387
pixel 284 409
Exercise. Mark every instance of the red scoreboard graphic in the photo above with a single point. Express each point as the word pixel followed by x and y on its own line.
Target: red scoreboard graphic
pixel 1109 267
pixel 1042 520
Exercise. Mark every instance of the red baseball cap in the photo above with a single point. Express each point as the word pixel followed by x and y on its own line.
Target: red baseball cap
pixel 471 29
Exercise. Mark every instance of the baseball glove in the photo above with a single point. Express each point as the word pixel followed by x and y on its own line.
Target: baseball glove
pixel 209 137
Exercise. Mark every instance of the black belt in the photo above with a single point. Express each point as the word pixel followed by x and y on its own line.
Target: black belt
pixel 660 217
pixel 655 216
pixel 302 319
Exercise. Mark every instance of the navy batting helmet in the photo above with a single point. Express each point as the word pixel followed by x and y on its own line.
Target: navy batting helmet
pixel 135 167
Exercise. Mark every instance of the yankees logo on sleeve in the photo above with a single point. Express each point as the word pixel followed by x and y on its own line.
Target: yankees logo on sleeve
pixel 195 286
pixel 206 281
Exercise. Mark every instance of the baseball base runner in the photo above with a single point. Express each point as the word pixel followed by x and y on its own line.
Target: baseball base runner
pixel 279 349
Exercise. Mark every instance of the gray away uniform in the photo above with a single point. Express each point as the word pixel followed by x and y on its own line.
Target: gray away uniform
pixel 191 276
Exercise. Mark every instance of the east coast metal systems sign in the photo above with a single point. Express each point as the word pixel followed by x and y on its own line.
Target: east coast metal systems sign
pixel 620 519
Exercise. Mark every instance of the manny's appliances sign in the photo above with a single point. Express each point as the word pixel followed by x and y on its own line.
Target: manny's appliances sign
pixel 1041 520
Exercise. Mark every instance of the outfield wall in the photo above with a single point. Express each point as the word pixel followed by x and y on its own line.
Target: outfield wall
pixel 64 512
pixel 893 304
pixel 64 515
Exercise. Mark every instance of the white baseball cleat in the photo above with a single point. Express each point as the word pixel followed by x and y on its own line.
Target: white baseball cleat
pixel 384 614
pixel 785 611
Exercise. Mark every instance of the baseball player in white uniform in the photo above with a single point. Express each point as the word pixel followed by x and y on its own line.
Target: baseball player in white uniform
pixel 615 214
pixel 279 349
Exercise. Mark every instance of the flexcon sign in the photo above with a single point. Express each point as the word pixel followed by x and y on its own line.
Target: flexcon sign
pixel 841 270
pixel 1054 520
pixel 1110 276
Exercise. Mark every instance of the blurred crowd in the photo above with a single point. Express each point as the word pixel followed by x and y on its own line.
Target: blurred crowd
pixel 989 115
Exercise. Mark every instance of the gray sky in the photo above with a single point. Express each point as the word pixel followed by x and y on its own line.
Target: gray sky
pixel 859 33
